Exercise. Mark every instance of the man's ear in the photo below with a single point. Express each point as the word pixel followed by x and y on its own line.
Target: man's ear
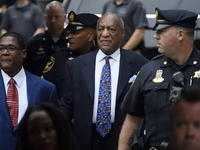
pixel 65 16
pixel 90 36
pixel 24 53
pixel 123 33
pixel 180 35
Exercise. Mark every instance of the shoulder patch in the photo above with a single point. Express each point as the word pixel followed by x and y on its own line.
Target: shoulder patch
pixel 135 79
pixel 49 64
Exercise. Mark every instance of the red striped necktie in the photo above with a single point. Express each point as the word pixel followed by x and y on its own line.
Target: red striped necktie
pixel 12 102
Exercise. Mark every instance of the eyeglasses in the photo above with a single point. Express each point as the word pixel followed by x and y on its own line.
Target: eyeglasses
pixel 10 48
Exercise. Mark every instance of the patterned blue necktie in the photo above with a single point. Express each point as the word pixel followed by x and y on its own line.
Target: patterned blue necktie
pixel 103 122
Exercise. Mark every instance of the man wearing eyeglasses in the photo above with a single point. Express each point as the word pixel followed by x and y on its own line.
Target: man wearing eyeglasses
pixel 18 88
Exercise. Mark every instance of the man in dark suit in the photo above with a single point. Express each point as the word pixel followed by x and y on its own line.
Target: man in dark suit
pixel 25 90
pixel 81 87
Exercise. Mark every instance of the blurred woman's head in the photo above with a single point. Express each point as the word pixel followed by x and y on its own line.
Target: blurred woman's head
pixel 44 127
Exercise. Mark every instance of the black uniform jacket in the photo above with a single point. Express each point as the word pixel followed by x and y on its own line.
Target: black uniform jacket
pixel 149 95
pixel 39 50
pixel 54 69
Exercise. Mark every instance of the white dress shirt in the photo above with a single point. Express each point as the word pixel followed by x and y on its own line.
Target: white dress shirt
pixel 21 85
pixel 114 65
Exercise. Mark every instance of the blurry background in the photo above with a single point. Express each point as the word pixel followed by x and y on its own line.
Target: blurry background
pixel 95 6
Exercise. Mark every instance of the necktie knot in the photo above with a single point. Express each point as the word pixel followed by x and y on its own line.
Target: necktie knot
pixel 12 81
pixel 107 58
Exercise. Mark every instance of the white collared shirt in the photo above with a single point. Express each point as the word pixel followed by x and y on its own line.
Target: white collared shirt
pixel 114 65
pixel 21 85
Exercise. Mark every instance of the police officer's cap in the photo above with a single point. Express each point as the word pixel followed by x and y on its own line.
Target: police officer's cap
pixel 166 18
pixel 79 21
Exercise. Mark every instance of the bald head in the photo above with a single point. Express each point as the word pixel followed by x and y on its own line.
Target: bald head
pixel 54 4
pixel 55 18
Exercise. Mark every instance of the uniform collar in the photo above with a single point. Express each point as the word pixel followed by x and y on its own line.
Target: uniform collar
pixel 63 35
pixel 193 60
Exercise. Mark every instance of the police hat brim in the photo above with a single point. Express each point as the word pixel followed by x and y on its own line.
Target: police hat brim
pixel 160 26
pixel 71 27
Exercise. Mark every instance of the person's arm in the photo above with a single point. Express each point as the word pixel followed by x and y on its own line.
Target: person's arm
pixel 5 24
pixel 3 8
pixel 3 31
pixel 53 96
pixel 38 21
pixel 39 30
pixel 130 127
pixel 135 38
pixel 66 102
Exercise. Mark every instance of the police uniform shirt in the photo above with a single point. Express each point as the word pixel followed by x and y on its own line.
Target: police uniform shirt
pixel 54 69
pixel 149 95
pixel 39 50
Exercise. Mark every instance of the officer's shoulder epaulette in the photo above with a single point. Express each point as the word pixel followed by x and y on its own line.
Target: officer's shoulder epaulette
pixel 65 49
pixel 36 37
pixel 157 57
pixel 39 35
pixel 198 50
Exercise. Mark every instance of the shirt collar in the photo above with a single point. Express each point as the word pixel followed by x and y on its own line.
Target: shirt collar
pixel 19 77
pixel 115 56
pixel 24 7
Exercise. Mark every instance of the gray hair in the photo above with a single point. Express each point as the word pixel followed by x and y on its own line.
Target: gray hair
pixel 121 22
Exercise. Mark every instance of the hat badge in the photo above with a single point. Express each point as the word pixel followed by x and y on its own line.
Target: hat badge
pixel 71 17
pixel 156 14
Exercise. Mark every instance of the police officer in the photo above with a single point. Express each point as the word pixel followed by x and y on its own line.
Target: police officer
pixel 82 40
pixel 41 47
pixel 158 83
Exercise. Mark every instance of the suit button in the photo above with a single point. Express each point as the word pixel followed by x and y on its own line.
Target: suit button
pixel 88 142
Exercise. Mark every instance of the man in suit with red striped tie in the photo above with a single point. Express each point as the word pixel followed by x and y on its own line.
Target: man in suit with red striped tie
pixel 18 88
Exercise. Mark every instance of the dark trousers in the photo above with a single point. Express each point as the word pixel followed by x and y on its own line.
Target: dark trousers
pixel 103 143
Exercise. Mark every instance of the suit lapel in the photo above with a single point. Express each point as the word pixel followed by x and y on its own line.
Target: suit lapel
pixel 3 99
pixel 88 69
pixel 124 72
pixel 31 89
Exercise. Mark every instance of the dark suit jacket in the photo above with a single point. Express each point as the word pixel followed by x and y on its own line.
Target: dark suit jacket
pixel 38 90
pixel 78 96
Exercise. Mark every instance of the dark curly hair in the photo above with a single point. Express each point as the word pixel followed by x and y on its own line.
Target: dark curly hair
pixel 20 39
pixel 62 125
